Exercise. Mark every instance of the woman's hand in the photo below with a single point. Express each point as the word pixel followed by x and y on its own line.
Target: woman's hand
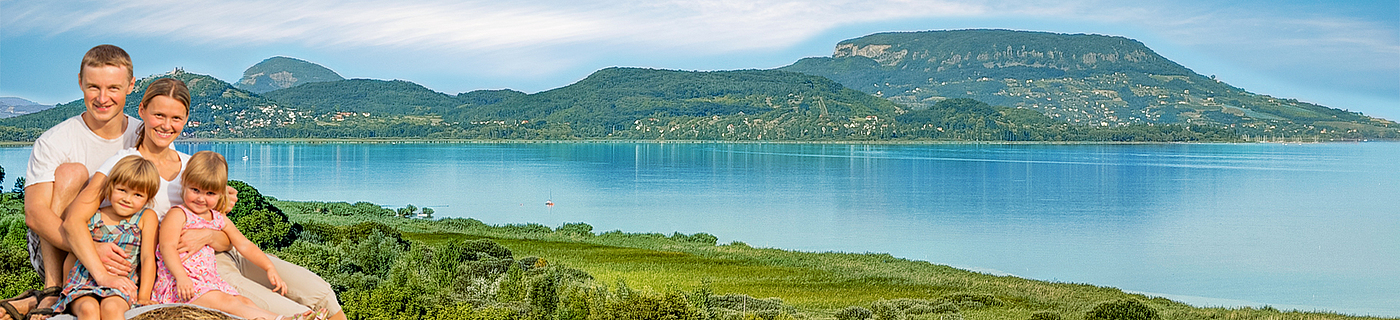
pixel 114 259
pixel 122 284
pixel 192 240
pixel 277 285
pixel 185 288
pixel 232 198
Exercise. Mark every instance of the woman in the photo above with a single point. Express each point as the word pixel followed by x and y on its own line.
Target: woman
pixel 164 110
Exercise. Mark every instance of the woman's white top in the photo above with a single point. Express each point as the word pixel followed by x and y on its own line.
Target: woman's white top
pixel 171 192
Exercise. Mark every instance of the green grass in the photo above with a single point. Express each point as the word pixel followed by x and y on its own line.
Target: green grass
pixel 817 284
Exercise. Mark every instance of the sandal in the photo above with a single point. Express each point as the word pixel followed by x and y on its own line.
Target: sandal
pixel 45 312
pixel 10 307
pixel 308 315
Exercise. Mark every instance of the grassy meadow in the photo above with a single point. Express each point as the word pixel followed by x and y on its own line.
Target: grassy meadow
pixel 811 285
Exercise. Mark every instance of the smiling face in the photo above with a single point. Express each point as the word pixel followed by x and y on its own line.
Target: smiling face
pixel 104 90
pixel 164 118
pixel 127 201
pixel 199 200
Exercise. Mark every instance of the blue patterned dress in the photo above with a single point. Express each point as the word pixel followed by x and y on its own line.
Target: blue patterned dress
pixel 127 235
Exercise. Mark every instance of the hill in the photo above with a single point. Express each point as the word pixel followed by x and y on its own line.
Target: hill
pixel 283 72
pixel 1083 79
pixel 635 103
pixel 395 97
pixel 14 106
pixel 217 110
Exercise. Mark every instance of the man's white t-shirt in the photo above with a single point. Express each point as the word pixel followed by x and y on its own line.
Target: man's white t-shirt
pixel 72 142
pixel 171 192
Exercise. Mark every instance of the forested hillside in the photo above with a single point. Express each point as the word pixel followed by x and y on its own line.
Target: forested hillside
pixel 963 85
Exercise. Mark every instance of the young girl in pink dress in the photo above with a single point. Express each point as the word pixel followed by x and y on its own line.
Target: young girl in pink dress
pixel 197 282
pixel 96 293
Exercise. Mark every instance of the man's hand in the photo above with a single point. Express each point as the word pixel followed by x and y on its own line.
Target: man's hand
pixel 114 259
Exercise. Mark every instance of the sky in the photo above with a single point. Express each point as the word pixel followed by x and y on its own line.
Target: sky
pixel 1339 54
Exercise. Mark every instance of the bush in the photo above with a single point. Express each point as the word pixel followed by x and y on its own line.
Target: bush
pixel 263 223
pixel 526 228
pixel 250 200
pixel 16 275
pixel 973 300
pixel 745 303
pixel 1123 309
pixel 887 310
pixel 359 231
pixel 265 229
pixel 575 229
pixel 1046 315
pixel 854 313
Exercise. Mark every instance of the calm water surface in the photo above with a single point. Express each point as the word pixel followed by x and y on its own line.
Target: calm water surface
pixel 1294 226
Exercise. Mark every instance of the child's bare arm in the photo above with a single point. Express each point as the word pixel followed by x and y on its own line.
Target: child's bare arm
pixel 79 237
pixel 169 236
pixel 246 247
pixel 150 230
pixel 250 251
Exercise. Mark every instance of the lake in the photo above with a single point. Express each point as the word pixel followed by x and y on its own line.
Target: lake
pixel 1310 227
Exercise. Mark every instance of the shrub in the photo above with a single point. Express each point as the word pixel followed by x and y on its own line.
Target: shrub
pixel 266 229
pixel 973 300
pixel 1122 309
pixel 1046 315
pixel 526 228
pixel 250 200
pixel 359 231
pixel 854 313
pixel 704 238
pixel 579 228
pixel 15 273
pixel 745 303
pixel 887 310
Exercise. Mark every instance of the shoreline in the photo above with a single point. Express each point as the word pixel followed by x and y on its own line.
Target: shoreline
pixel 510 233
pixel 637 141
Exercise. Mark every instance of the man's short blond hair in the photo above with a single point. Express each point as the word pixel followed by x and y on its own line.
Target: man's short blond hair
pixel 107 55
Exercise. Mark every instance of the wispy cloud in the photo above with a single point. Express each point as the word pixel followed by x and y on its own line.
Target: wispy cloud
pixel 553 34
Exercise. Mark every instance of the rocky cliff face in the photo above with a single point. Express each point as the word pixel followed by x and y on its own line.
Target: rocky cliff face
pixel 283 72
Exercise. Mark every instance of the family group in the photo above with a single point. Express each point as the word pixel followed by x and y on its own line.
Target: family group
pixel 118 218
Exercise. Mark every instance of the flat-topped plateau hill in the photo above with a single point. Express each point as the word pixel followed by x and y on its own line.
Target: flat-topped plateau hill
pixel 1084 79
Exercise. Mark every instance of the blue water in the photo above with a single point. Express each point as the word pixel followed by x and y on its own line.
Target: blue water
pixel 1310 227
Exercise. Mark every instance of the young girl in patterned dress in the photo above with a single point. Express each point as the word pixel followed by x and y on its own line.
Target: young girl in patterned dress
pixel 95 293
pixel 197 281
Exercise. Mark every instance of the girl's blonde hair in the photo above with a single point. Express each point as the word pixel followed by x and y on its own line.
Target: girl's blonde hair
pixel 137 174
pixel 207 170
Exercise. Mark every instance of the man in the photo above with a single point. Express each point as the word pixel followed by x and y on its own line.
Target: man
pixel 63 159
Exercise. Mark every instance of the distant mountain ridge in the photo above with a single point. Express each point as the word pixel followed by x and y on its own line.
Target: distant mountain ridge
pixel 1093 80
pixel 283 72
pixel 982 85
pixel 15 106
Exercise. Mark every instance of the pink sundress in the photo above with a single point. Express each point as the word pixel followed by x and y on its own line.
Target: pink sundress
pixel 201 267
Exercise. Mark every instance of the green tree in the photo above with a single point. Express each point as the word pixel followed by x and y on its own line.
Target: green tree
pixel 427 213
pixel 19 188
